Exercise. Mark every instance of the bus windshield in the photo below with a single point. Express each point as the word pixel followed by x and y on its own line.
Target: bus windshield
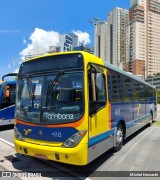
pixel 50 99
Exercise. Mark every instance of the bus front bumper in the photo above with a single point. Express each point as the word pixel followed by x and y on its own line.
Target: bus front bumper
pixel 76 155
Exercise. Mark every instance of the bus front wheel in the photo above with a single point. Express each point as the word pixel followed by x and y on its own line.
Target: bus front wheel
pixel 119 137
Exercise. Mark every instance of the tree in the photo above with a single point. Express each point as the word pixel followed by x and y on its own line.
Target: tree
pixel 156 74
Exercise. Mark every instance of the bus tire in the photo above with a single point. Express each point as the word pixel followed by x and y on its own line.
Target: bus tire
pixel 119 137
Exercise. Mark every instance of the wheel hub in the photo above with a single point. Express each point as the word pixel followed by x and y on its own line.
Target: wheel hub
pixel 119 136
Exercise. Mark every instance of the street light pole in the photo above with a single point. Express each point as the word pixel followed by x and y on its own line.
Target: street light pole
pixel 144 72
pixel 97 38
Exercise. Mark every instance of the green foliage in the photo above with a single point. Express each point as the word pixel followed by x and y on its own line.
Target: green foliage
pixel 156 74
pixel 158 96
pixel 157 123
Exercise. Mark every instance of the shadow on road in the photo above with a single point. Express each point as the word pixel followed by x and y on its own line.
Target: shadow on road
pixel 7 127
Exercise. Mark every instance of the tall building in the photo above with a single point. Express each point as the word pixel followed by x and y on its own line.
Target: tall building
pixel 136 38
pixel 75 39
pixel 154 81
pixel 100 39
pixel 142 40
pixel 153 64
pixel 117 22
pixel 65 42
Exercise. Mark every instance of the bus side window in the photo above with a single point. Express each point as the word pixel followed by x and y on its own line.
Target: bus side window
pixel 97 91
pixel 127 89
pixel 115 87
pixel 142 92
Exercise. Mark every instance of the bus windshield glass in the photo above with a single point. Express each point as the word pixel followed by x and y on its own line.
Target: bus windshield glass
pixel 50 99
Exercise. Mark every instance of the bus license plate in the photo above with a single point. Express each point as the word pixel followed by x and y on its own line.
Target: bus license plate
pixel 40 156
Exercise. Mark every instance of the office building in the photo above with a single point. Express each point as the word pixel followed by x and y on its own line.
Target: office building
pixel 154 81
pixel 117 22
pixel 83 48
pixel 100 39
pixel 65 42
pixel 143 40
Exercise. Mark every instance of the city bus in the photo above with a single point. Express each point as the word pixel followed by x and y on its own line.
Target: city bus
pixel 7 100
pixel 71 107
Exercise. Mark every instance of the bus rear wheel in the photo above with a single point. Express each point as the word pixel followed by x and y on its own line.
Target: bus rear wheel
pixel 119 137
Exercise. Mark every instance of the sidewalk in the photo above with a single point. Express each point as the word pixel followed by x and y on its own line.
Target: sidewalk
pixel 2 170
pixel 12 162
pixel 20 166
pixel 158 113
pixel 5 165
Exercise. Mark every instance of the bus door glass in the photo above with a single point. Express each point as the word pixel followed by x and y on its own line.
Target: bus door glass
pixel 98 113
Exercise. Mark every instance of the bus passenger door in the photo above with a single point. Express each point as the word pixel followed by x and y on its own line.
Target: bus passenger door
pixel 99 109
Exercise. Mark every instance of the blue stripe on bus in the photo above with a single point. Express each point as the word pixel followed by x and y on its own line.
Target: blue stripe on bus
pixel 136 121
pixel 106 135
pixel 100 138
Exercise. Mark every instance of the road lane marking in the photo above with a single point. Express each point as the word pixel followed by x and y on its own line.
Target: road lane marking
pixel 7 142
pixel 142 136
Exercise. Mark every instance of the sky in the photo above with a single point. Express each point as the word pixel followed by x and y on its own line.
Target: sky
pixel 28 26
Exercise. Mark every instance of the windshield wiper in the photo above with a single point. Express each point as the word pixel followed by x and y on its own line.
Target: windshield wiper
pixel 30 90
pixel 52 84
pixel 29 86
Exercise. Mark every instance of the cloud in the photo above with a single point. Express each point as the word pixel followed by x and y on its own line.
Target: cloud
pixel 40 42
pixel 83 36
pixel 16 71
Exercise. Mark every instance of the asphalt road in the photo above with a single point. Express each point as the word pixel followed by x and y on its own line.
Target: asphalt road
pixel 140 153
pixel 6 133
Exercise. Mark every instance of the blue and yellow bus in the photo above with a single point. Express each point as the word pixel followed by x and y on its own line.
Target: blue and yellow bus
pixel 71 107
pixel 7 100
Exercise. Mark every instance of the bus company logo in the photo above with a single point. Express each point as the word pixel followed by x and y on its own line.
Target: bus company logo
pixel 40 133
pixel 138 109
pixel 58 116
pixel 26 132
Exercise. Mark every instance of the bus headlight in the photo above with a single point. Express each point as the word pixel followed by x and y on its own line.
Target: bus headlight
pixel 18 135
pixel 75 139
